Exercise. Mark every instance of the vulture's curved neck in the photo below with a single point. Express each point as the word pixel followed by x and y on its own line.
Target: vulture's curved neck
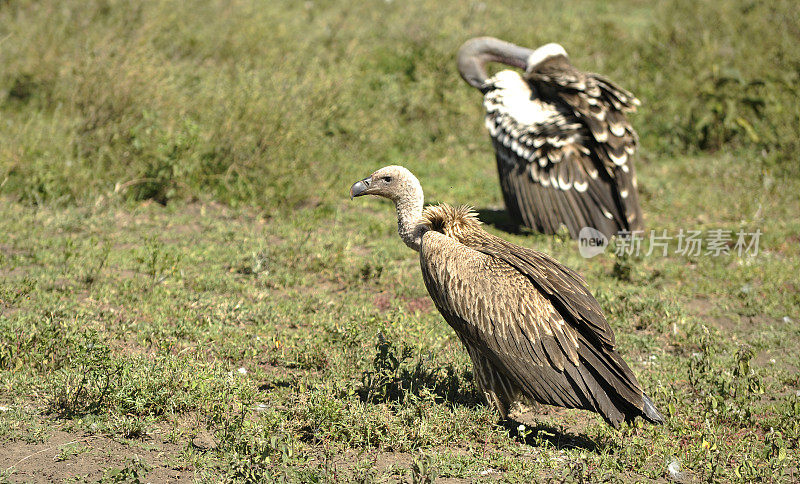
pixel 410 223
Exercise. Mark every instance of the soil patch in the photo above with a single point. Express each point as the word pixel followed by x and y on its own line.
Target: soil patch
pixel 71 455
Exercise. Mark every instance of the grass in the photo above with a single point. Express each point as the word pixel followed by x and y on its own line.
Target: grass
pixel 182 277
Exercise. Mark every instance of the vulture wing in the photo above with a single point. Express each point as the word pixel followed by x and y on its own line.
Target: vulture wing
pixel 530 327
pixel 600 105
pixel 559 164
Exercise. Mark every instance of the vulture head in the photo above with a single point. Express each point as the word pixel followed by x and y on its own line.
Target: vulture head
pixel 475 53
pixel 402 187
pixel 393 182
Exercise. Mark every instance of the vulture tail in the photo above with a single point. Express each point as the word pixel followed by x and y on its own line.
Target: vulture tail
pixel 650 412
pixel 614 387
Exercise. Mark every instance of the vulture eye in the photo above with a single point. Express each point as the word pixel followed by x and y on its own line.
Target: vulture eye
pixel 387 179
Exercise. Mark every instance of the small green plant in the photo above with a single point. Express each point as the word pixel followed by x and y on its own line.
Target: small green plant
pixel 396 375
pixel 625 264
pixel 168 159
pixel 746 381
pixel 726 393
pixel 67 452
pixel 130 427
pixel 94 266
pixel 729 107
pixel 385 380
pixel 157 261
pixel 257 263
pixel 370 271
pixel 83 385
pixel 133 473
pixel 42 344
pixel 253 453
pixel 5 475
pixel 13 294
pixel 422 472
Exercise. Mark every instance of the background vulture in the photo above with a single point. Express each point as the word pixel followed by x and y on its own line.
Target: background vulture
pixel 562 141
pixel 530 325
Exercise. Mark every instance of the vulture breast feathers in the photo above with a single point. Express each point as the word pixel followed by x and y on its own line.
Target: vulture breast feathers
pixel 563 144
pixel 530 324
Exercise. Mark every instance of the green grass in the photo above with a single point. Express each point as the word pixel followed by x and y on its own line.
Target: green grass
pixel 183 277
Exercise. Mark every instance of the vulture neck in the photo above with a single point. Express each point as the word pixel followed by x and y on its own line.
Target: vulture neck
pixel 410 224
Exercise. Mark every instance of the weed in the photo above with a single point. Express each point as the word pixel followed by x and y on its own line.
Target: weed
pixel 727 393
pixel 726 109
pixel 133 473
pixel 42 343
pixel 396 375
pixel 370 271
pixel 258 263
pixel 83 386
pixel 10 295
pixel 68 253
pixel 158 262
pixel 67 452
pixel 93 268
pixel 421 470
pixel 130 427
pixel 253 454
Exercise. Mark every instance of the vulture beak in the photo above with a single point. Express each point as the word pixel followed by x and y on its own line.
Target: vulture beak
pixel 360 187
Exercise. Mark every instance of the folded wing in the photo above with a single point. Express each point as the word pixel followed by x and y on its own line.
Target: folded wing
pixel 530 326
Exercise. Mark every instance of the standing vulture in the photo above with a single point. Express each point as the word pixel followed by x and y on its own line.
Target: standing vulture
pixel 529 324
pixel 562 141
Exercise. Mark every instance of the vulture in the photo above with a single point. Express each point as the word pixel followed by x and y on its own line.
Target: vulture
pixel 563 145
pixel 530 326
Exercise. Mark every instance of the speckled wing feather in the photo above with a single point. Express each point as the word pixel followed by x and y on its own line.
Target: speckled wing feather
pixel 600 105
pixel 553 169
pixel 530 324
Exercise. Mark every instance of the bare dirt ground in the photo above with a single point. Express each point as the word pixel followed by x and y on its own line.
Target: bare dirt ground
pixel 81 457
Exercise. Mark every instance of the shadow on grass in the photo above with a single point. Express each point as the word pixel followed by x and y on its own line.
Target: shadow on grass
pixel 544 435
pixel 499 219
